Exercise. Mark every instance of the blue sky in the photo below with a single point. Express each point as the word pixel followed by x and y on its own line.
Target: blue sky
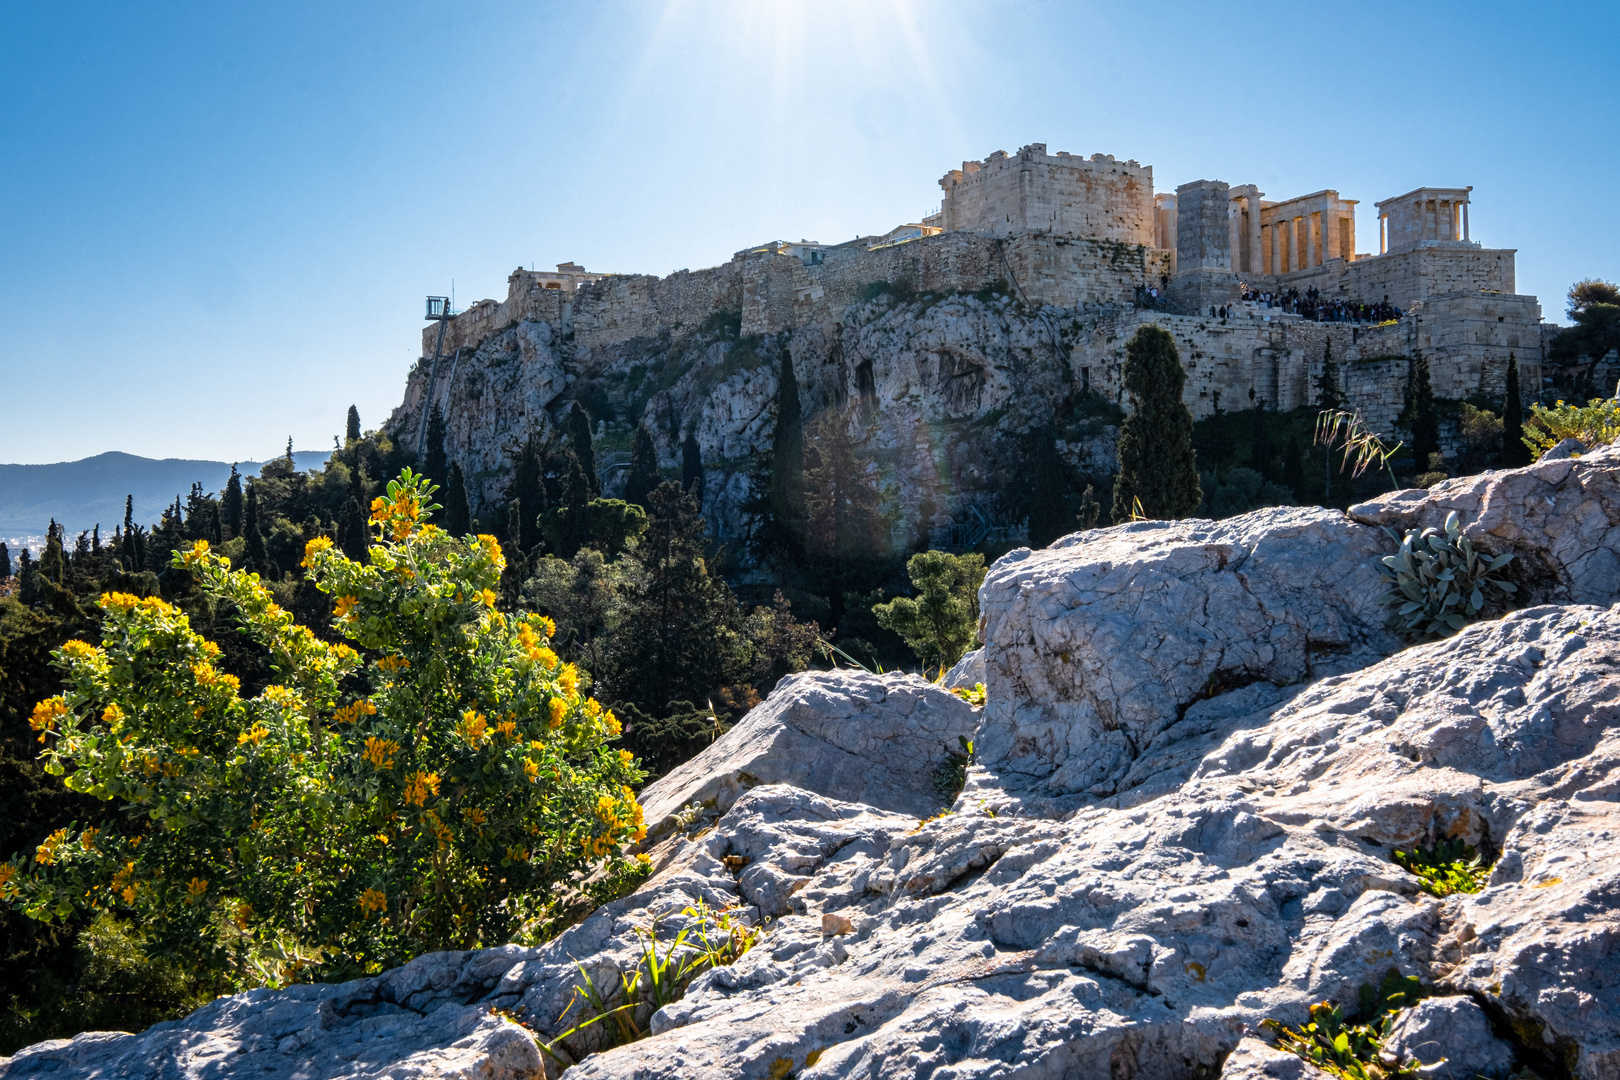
pixel 220 220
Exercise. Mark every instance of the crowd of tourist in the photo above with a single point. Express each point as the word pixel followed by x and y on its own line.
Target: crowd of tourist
pixel 1312 305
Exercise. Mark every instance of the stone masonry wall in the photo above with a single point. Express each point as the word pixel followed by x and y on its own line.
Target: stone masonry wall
pixel 1405 277
pixel 1058 193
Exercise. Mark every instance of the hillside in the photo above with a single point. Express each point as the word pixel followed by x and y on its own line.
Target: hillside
pixel 80 494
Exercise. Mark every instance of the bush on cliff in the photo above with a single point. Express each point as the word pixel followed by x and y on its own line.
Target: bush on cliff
pixel 942 621
pixel 437 792
pixel 1158 471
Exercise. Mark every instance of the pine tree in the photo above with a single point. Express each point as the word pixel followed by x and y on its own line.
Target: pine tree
pixel 199 523
pixel 1514 452
pixel 216 527
pixel 643 468
pixel 457 513
pixel 844 525
pixel 579 437
pixel 1328 394
pixel 1425 426
pixel 786 498
pixel 253 553
pixel 1049 516
pixel 167 538
pixel 692 467
pixel 1157 464
pixel 680 611
pixel 435 465
pixel 1294 469
pixel 5 561
pixel 351 430
pixel 231 504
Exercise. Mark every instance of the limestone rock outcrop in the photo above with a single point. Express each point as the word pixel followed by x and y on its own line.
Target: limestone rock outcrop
pixel 848 735
pixel 1101 645
pixel 1199 755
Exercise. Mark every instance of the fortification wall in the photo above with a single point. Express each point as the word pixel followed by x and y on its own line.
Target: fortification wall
pixel 1058 193
pixel 625 306
pixel 1405 277
pixel 1250 360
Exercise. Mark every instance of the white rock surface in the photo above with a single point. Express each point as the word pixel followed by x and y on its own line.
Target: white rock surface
pixel 873 739
pixel 1141 940
pixel 1101 643
pixel 1452 1038
pixel 967 672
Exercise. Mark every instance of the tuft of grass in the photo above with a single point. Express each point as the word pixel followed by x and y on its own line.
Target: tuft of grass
pixel 1348 1046
pixel 1447 868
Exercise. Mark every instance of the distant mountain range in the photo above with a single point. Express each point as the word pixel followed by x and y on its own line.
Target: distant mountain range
pixel 81 494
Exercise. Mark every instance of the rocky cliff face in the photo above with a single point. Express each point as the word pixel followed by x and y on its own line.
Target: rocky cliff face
pixel 938 390
pixel 1198 755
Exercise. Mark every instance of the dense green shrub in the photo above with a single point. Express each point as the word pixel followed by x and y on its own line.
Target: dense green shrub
pixel 352 814
pixel 942 621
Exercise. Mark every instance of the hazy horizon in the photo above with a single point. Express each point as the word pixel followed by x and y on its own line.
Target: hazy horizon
pixel 230 217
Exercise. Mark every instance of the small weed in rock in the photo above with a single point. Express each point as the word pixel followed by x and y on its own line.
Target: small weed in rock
pixel 1448 867
pixel 1348 1047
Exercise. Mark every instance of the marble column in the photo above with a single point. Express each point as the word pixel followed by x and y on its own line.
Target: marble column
pixel 1254 233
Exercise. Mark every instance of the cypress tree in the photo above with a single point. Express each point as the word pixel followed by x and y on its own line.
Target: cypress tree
pixel 130 555
pixel 529 491
pixel 1260 449
pixel 568 526
pixel 351 430
pixel 1049 501
pixel 215 527
pixel 253 555
pixel 457 514
pixel 786 499
pixel 1425 426
pixel 692 467
pixel 1157 463
pixel 351 531
pixel 1294 469
pixel 52 564
pixel 643 468
pixel 1514 452
pixel 231 504
pixel 1090 509
pixel 435 465
pixel 5 561
pixel 1328 394
pixel 579 434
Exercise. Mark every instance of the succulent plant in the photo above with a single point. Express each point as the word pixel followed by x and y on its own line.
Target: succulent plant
pixel 1439 583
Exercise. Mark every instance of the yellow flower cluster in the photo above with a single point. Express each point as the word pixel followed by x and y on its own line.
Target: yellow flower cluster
pixel 380 752
pixel 354 711
pixel 46 853
pixel 421 786
pixel 46 714
pixel 492 548
pixel 8 884
pixel 196 889
pixel 473 816
pixel 344 608
pixel 283 697
pixel 517 853
pixel 209 677
pixel 124 883
pixel 118 601
pixel 531 769
pixel 319 544
pixel 79 650
pixel 393 663
pixel 486 597
pixel 398 516
pixel 253 736
pixel 568 679
pixel 198 552
pixel 558 709
pixel 507 728
pixel 473 727
pixel 87 839
pixel 372 900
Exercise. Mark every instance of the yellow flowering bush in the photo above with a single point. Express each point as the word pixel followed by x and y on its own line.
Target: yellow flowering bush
pixel 357 812
pixel 1597 423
